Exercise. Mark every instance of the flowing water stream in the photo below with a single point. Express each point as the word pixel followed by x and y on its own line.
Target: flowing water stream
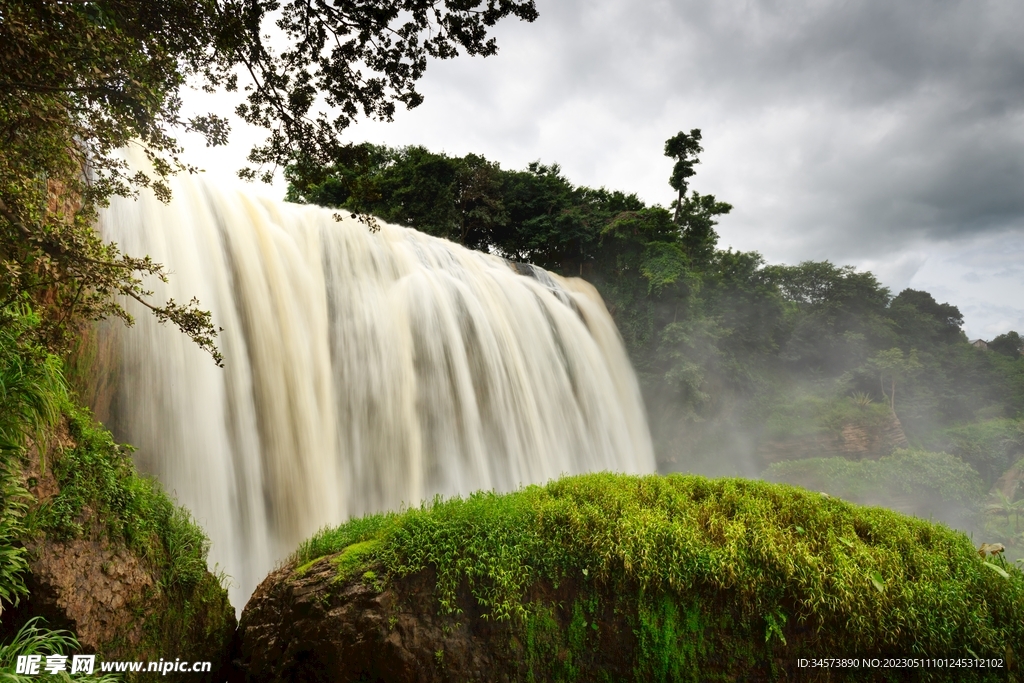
pixel 363 371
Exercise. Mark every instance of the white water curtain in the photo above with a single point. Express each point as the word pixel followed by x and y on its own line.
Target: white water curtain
pixel 363 371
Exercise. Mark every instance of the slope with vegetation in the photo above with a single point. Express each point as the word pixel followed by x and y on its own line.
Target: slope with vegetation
pixel 620 578
pixel 88 544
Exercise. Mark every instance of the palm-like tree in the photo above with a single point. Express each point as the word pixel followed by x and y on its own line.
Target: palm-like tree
pixel 1006 506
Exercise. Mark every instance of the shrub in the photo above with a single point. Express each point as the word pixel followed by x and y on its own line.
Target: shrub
pixel 918 482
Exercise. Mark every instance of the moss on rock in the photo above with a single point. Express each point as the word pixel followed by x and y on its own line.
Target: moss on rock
pixel 681 577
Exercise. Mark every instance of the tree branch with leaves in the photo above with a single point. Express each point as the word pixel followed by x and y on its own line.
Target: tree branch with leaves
pixel 81 79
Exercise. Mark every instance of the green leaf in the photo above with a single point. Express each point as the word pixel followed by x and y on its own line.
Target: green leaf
pixel 997 569
pixel 774 623
pixel 877 581
pixel 847 543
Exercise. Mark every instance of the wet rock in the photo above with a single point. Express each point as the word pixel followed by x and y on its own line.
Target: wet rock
pixel 309 627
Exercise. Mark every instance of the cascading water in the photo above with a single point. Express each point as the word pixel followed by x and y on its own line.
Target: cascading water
pixel 364 371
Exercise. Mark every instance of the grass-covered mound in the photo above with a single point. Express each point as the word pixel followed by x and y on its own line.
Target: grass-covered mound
pixel 705 578
pixel 71 501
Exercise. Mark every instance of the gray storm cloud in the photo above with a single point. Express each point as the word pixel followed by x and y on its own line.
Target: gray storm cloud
pixel 894 121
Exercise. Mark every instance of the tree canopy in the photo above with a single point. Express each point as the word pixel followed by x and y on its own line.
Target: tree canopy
pixel 81 78
pixel 1009 344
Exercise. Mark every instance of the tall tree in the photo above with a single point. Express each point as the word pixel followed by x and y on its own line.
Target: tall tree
pixel 1009 344
pixel 921 320
pixel 896 367
pixel 684 148
pixel 695 214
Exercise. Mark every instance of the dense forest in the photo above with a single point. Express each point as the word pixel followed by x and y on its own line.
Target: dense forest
pixel 746 368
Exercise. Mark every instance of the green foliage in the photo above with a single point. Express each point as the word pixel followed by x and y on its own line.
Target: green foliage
pixel 684 148
pixel 354 559
pixel 362 57
pixel 31 395
pixel 709 569
pixel 928 484
pixel 78 81
pixel 13 561
pixel 34 639
pixel 806 414
pixel 32 387
pixel 542 640
pixel 990 447
pixel 690 358
pixel 331 540
pixel 896 367
pixel 1005 505
pixel 1003 524
pixel 1009 344
pixel 834 315
pixel 670 640
pixel 921 321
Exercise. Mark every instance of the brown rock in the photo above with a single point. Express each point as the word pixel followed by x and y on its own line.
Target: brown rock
pixel 311 628
pixel 307 628
pixel 96 589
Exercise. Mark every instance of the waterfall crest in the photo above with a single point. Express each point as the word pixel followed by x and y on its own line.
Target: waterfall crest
pixel 364 371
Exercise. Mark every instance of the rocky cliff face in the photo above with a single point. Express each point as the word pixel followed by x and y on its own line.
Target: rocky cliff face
pixel 93 588
pixel 119 603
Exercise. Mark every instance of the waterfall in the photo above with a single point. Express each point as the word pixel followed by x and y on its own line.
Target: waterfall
pixel 363 371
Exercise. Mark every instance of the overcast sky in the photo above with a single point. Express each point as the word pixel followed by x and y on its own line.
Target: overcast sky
pixel 886 135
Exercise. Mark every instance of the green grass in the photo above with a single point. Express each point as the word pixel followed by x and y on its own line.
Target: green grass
pixel 33 638
pixel 707 570
pixel 32 392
